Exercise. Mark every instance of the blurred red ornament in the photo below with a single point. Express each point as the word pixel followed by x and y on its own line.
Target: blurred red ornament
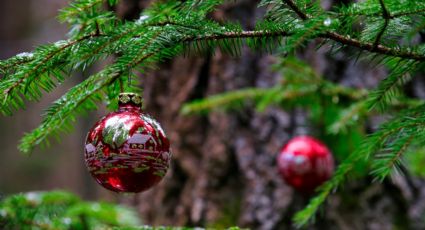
pixel 305 163
pixel 127 151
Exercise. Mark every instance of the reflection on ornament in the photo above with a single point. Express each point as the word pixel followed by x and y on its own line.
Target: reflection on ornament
pixel 127 151
pixel 305 163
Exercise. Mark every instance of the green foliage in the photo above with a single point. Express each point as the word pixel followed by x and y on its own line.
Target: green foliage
pixel 392 138
pixel 383 32
pixel 389 89
pixel 415 159
pixel 168 228
pixel 61 210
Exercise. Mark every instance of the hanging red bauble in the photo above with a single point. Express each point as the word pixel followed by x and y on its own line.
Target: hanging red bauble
pixel 305 163
pixel 127 151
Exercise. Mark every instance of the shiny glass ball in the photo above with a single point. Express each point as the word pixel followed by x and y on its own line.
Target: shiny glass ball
pixel 127 150
pixel 305 163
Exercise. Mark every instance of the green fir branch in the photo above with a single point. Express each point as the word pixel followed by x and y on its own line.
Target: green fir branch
pixel 78 7
pixel 407 121
pixel 62 210
pixel 374 9
pixel 391 157
pixel 83 97
pixel 222 101
pixel 212 38
pixel 348 117
pixel 386 16
pixel 389 89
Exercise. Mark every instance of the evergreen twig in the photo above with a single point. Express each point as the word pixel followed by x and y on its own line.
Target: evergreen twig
pixel 371 47
pixel 387 16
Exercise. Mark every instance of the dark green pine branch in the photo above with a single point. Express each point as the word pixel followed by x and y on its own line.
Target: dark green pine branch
pixel 386 162
pixel 46 59
pixel 229 35
pixel 379 49
pixel 389 89
pixel 367 46
pixel 394 15
pixel 401 14
pixel 242 34
pixel 371 145
pixel 60 114
pixel 387 16
pixel 14 62
pixel 77 7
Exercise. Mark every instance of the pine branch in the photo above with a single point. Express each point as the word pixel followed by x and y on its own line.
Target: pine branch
pixel 401 14
pixel 392 16
pixel 409 121
pixel 389 88
pixel 15 62
pixel 23 80
pixel 61 210
pixel 292 90
pixel 296 9
pixel 371 47
pixel 223 100
pixel 224 39
pixel 380 49
pixel 29 76
pixel 374 9
pixel 82 97
pixel 347 117
pixel 387 16
pixel 177 32
pixel 242 34
pixel 384 163
pixel 78 7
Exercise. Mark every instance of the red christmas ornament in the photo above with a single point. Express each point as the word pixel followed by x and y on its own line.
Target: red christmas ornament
pixel 127 151
pixel 305 163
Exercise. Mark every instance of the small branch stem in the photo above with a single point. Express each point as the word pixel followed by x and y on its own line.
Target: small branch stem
pixel 385 12
pixel 374 48
pixel 46 59
pixel 387 16
pixel 380 49
pixel 242 34
pixel 392 16
pixel 381 32
pixel 296 9
pixel 397 156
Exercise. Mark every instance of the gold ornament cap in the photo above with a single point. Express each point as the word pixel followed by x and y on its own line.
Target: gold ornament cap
pixel 130 98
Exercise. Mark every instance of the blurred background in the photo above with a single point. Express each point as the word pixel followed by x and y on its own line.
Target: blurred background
pixel 223 171
pixel 24 25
